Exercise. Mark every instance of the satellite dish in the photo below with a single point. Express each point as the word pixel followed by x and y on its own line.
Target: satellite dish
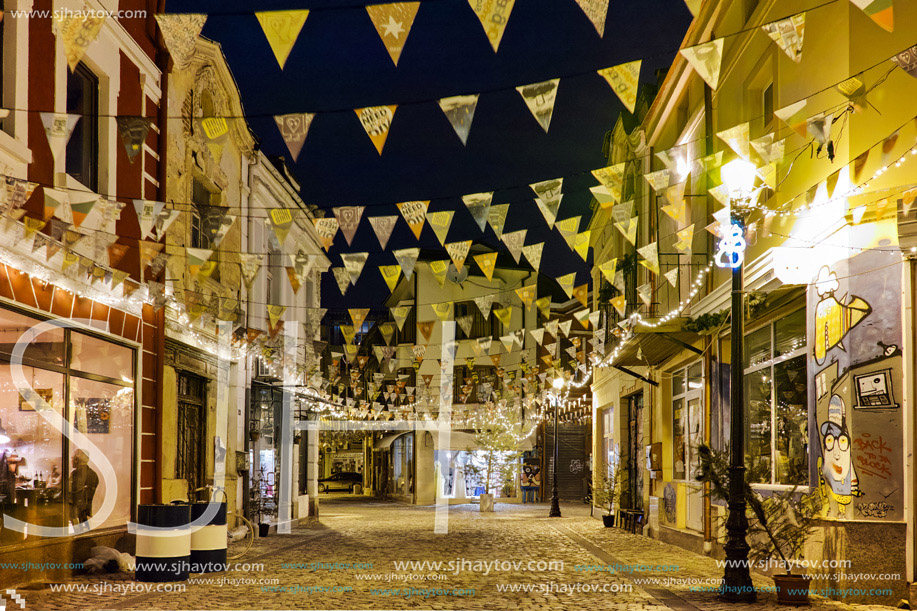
pixel 455 275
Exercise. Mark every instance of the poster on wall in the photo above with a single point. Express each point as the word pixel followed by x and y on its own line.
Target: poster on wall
pixel 855 370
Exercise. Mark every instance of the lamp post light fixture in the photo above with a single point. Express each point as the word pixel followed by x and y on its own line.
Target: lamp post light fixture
pixel 558 385
pixel 739 178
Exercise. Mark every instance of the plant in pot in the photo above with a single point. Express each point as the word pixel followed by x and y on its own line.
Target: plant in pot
pixel 607 491
pixel 778 526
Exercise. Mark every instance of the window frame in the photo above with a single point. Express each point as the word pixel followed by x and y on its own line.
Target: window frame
pixel 88 128
pixel 770 365
pixel 687 394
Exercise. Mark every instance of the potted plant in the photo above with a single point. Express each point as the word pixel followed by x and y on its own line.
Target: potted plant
pixel 607 490
pixel 779 526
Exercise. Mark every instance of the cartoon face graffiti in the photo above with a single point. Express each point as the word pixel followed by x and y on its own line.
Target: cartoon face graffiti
pixel 833 319
pixel 837 475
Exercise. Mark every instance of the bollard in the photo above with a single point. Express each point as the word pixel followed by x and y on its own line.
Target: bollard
pixel 163 558
pixel 208 543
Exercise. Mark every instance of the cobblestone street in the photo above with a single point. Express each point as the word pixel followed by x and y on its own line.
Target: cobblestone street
pixel 359 543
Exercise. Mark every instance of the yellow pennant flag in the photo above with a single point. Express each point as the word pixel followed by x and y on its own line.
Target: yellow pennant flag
pixel 440 223
pixel 581 243
pixel 439 269
pixel 358 315
pixel 566 283
pixel 443 310
pixel 488 263
pixel 619 303
pixel 32 225
pixel 393 24
pixel 349 332
pixel 612 178
pixel 493 15
pixel 390 273
pixel 504 315
pixel 685 239
pixel 544 305
pixel 608 269
pixel 376 122
pixel 78 29
pixel 581 293
pixel 282 29
pixel 414 213
pixel 629 229
pixel 274 313
pixel 458 252
pixel 650 254
pixel 527 294
pixel 706 59
pixel 624 80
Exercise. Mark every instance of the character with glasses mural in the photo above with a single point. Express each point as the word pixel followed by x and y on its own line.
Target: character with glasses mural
pixel 837 476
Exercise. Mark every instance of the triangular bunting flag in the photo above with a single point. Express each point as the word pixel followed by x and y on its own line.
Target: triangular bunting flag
pixel 548 198
pixel 349 332
pixel 440 222
pixel 77 30
pixel 880 11
pixel 383 226
pixel 514 242
pixel 465 323
pixel 376 122
pixel 294 128
pixel 414 213
pixel 672 276
pixel 629 229
pixel 197 257
pixel 478 205
pixel 250 264
pixel 484 303
pixel 581 243
pixel 443 310
pixel 459 110
pixel 540 97
pixel 487 263
pixel 538 335
pixel 342 277
pixel 565 328
pixel 80 210
pixel 544 305
pixel 353 263
pixel 496 217
pixel 532 254
pixel 624 80
pixel 58 129
pixel 407 258
pixel 581 293
pixel 393 23
pixel 439 270
pixel 527 294
pixel 147 213
pixel 357 316
pixel 619 304
pixel 706 59
pixel 426 328
pixel 348 218
pixel 612 178
pixel 568 229
pixel 645 292
pixel 509 342
pixel 275 312
pixel 650 254
pixel 504 315
pixel 788 34
pixel 180 32
pixel 596 10
pixel 326 228
pixel 458 251
pixel 493 17
pixel 582 317
pixel 737 139
pixel 685 239
pixel 566 283
pixel 133 131
pixel 400 314
pixel 282 28
pixel 608 269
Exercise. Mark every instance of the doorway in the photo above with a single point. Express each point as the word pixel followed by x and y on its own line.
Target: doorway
pixel 635 451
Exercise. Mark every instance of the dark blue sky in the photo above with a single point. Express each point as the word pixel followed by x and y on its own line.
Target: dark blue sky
pixel 339 63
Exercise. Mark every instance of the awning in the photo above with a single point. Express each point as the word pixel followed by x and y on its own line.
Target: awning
pixel 386 441
pixel 649 348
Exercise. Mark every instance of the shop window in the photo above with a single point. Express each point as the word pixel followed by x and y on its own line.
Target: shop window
pixel 47 479
pixel 776 402
pixel 83 146
pixel 610 449
pixel 688 419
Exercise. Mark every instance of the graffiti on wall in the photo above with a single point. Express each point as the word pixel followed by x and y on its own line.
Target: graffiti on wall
pixel 855 331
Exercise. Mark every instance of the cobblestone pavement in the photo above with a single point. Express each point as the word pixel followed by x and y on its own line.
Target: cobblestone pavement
pixel 379 534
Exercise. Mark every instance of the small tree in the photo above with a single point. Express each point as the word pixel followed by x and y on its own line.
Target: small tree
pixel 499 431
pixel 608 486
pixel 782 522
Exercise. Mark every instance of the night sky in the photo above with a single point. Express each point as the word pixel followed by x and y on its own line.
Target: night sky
pixel 339 63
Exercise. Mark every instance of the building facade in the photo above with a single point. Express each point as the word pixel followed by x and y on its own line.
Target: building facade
pixel 827 348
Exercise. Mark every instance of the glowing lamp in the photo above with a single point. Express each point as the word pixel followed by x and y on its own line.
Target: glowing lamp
pixel 739 177
pixel 558 383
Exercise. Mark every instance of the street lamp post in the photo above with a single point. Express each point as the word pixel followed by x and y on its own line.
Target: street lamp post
pixel 739 177
pixel 555 501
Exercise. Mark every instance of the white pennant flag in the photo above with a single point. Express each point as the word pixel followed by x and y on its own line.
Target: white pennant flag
pixel 485 303
pixel 540 97
pixel 459 110
pixel 353 263
pixel 548 198
pixel 597 11
pixel 348 220
pixel 706 59
pixel 147 213
pixel 407 258
pixel 58 128
pixel 383 227
pixel 533 253
pixel 478 205
pixel 514 242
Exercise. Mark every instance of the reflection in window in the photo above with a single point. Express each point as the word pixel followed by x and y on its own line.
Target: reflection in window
pixel 776 402
pixel 94 355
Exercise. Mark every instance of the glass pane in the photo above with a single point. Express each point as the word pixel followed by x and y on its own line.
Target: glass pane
pixel 758 347
pixel 678 383
pixel 695 380
pixel 678 431
pixel 31 461
pixel 792 422
pixel 104 413
pixel 791 333
pixel 695 435
pixel 758 425
pixel 45 348
pixel 94 355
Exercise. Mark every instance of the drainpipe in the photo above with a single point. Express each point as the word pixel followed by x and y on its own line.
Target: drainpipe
pixel 909 336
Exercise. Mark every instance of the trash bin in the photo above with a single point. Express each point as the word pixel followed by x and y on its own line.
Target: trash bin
pixel 163 555
pixel 208 543
pixel 357 489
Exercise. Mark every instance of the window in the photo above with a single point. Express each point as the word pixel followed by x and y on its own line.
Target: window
pixel 767 103
pixel 776 424
pixel 83 146
pixel 688 416
pixel 480 327
pixel 45 478
pixel 200 198
pixel 610 449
